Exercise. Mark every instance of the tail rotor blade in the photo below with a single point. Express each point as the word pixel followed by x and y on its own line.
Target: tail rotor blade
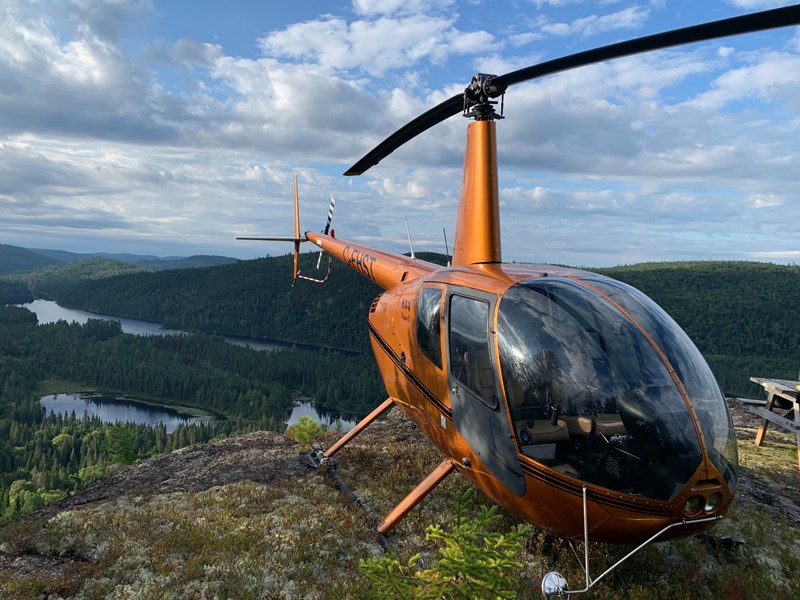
pixel 327 226
pixel 330 215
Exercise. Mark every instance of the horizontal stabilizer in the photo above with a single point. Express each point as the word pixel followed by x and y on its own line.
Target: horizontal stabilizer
pixel 274 239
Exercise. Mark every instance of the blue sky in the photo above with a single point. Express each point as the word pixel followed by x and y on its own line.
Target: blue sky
pixel 171 127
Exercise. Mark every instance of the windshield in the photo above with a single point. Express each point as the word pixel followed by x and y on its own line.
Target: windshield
pixel 692 369
pixel 588 394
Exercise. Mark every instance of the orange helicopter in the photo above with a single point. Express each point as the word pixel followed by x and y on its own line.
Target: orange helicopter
pixel 570 399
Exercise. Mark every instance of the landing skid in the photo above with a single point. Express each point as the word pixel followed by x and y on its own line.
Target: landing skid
pixel 554 584
pixel 318 457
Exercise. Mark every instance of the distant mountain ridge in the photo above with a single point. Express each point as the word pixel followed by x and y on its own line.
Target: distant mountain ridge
pixel 14 259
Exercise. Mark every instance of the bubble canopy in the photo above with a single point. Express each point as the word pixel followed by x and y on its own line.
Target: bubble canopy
pixel 586 365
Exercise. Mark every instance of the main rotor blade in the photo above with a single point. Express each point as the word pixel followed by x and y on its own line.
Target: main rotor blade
pixel 425 121
pixel 761 21
pixel 750 23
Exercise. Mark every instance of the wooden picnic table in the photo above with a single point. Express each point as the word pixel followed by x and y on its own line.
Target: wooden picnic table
pixel 782 408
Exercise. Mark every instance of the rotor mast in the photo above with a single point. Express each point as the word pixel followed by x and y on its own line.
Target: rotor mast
pixel 478 223
pixel 477 238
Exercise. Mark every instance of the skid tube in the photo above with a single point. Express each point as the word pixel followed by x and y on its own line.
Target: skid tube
pixel 318 457
pixel 554 584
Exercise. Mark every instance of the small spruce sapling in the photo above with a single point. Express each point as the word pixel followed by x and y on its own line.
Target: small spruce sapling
pixel 474 560
pixel 305 431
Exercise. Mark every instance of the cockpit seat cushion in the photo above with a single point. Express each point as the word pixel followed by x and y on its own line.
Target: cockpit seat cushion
pixel 541 431
pixel 607 424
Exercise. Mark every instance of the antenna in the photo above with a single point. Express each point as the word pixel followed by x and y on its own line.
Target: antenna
pixel 410 245
pixel 446 247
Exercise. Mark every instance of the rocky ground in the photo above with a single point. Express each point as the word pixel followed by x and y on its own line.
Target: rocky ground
pixel 255 519
pixel 261 457
pixel 770 474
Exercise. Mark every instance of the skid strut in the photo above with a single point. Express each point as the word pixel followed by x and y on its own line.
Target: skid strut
pixel 318 457
pixel 362 425
pixel 418 495
pixel 554 584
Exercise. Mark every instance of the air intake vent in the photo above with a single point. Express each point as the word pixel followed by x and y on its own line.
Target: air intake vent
pixel 374 306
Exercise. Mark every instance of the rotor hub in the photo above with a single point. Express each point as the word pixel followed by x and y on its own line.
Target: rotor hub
pixel 478 103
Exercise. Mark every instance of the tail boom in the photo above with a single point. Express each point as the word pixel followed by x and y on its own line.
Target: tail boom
pixel 385 269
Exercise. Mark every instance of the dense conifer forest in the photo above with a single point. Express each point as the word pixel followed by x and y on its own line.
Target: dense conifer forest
pixel 250 298
pixel 43 458
pixel 743 316
pixel 14 293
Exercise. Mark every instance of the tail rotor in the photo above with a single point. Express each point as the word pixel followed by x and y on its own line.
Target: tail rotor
pixel 327 226
pixel 299 238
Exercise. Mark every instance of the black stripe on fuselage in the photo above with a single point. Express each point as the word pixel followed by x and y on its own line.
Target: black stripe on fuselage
pixel 429 395
pixel 577 490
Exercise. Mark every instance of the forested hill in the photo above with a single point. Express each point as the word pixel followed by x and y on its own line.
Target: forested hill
pixel 250 298
pixel 744 316
pixel 16 260
pixel 726 307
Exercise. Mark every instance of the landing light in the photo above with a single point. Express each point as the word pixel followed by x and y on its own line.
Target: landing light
pixel 713 501
pixel 693 504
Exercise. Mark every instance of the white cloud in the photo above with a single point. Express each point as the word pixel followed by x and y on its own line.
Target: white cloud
pixel 523 39
pixel 374 46
pixel 632 17
pixel 772 77
pixel 179 140
pixel 767 200
pixel 389 7
pixel 105 19
pixel 781 255
pixel 540 3
pixel 83 85
pixel 758 4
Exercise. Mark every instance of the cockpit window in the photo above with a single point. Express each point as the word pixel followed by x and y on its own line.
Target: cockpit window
pixel 692 369
pixel 429 325
pixel 470 361
pixel 589 395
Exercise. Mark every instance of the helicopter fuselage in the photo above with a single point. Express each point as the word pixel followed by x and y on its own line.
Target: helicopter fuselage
pixel 538 381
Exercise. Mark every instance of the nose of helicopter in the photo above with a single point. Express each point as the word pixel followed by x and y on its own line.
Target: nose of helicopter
pixel 603 386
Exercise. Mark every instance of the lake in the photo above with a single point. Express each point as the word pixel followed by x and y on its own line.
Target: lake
pixel 320 415
pixel 48 311
pixel 111 410
pixel 119 410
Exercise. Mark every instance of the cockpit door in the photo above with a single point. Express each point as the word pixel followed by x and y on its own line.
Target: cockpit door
pixel 477 410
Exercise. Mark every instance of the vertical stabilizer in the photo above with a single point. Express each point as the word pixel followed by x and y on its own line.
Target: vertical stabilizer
pixel 478 225
pixel 296 232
